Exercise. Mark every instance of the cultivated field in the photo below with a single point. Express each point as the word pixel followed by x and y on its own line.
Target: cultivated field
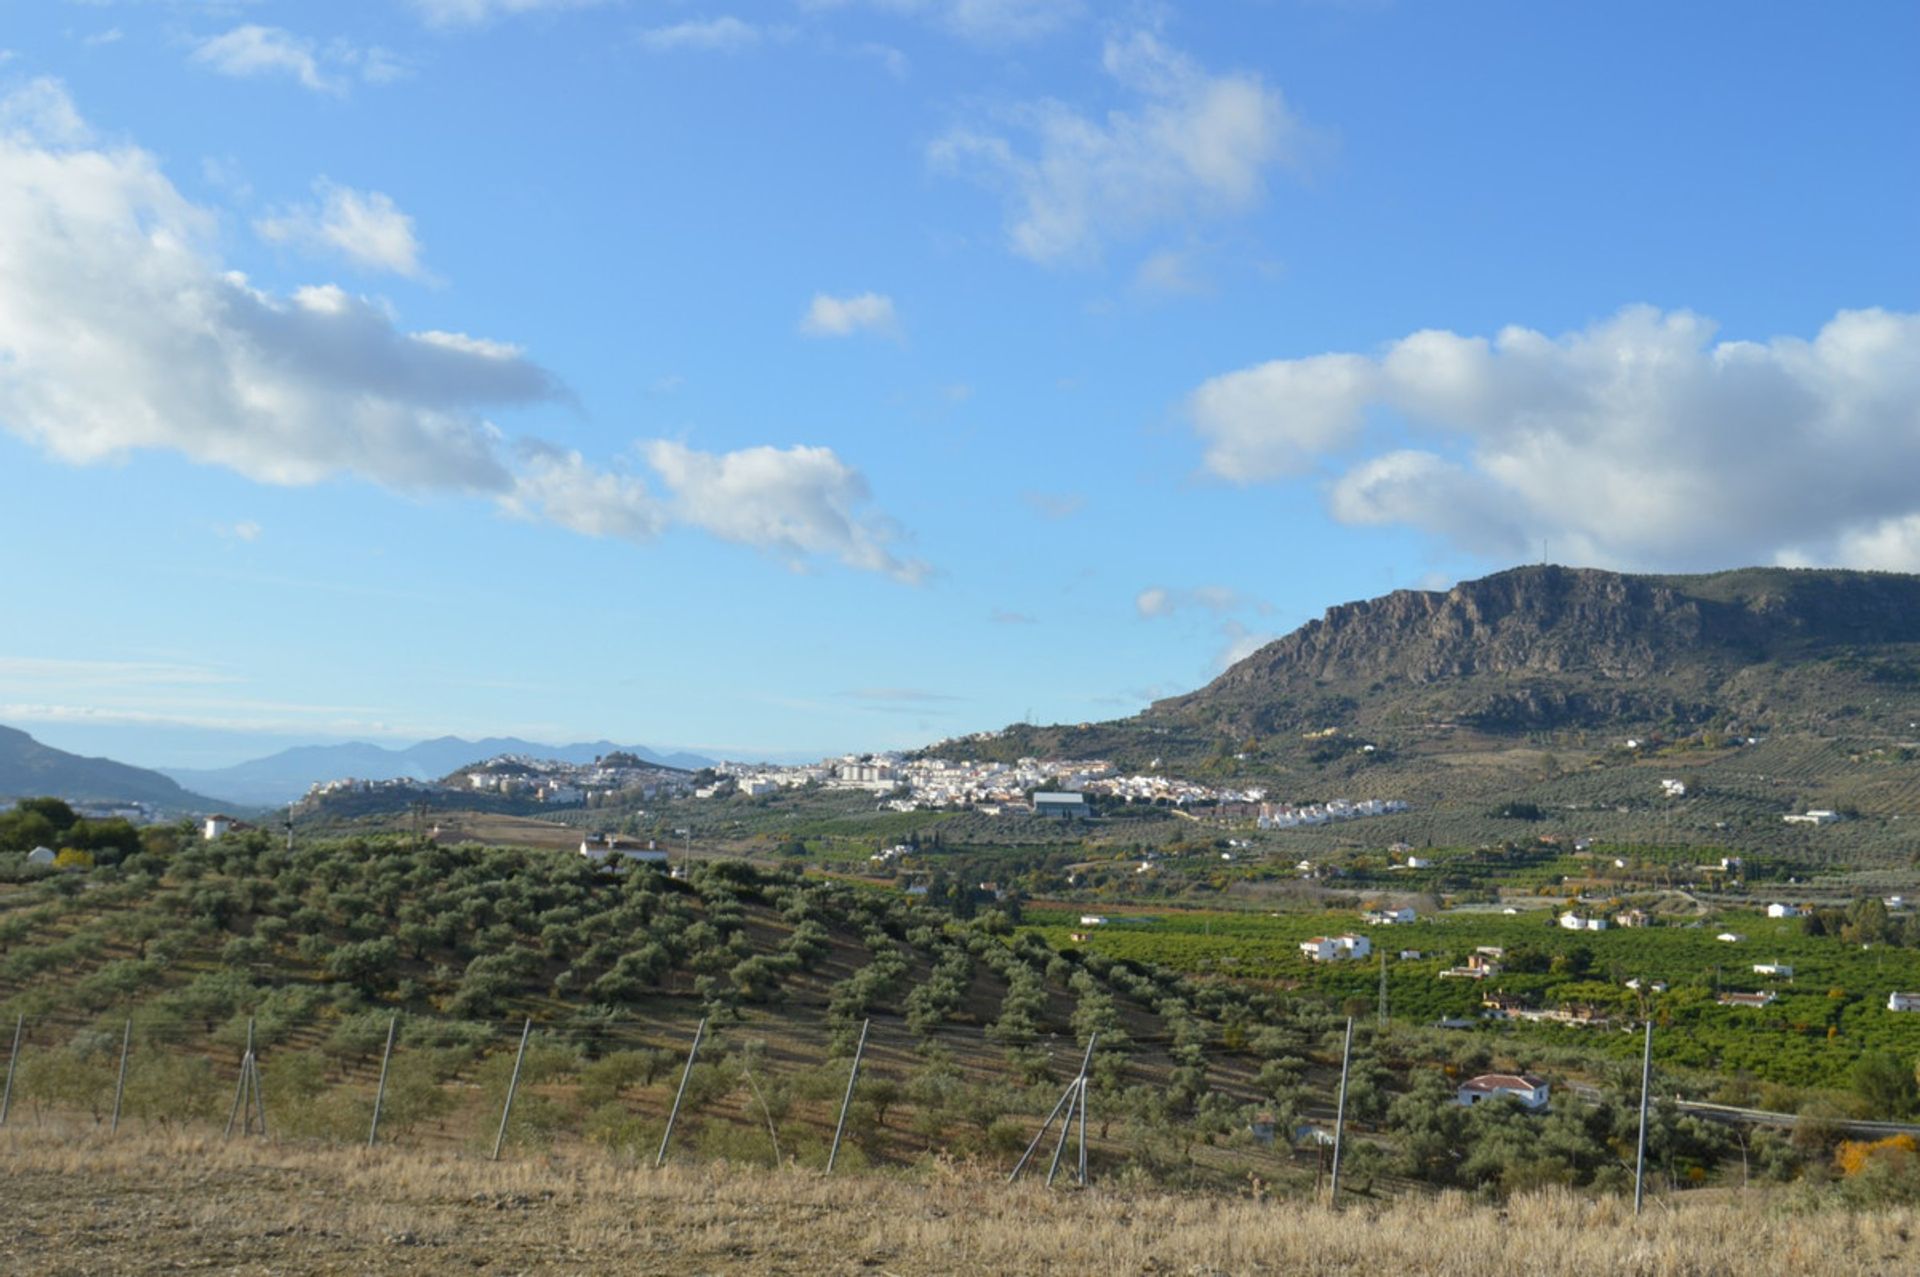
pixel 78 1203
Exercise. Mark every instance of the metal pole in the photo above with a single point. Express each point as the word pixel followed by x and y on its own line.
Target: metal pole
pixel 1340 1115
pixel 1040 1135
pixel 846 1103
pixel 513 1084
pixel 13 1057
pixel 1646 1081
pixel 380 1095
pixel 1074 1094
pixel 680 1094
pixel 239 1089
pixel 1083 1134
pixel 120 1086
pixel 259 1098
pixel 1383 988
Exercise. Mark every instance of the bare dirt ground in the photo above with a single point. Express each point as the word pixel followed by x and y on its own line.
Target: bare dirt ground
pixel 153 1202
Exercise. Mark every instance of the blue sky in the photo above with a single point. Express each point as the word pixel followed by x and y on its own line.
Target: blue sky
pixel 824 374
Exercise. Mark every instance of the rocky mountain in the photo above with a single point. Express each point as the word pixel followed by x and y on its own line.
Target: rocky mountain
pixel 284 777
pixel 30 769
pixel 1548 647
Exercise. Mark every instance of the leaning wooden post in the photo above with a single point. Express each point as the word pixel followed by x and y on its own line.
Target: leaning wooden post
pixel 259 1096
pixel 660 1159
pixel 1076 1093
pixel 1083 1132
pixel 846 1103
pixel 513 1084
pixel 120 1085
pixel 1340 1116
pixel 1076 1099
pixel 240 1087
pixel 380 1094
pixel 1040 1135
pixel 13 1058
pixel 1646 1084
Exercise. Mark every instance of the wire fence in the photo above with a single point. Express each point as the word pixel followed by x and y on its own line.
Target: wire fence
pixel 766 1090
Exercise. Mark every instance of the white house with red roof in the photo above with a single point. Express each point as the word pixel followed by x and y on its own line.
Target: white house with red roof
pixel 1531 1091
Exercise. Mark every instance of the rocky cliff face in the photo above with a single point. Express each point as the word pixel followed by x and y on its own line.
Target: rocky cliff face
pixel 1542 644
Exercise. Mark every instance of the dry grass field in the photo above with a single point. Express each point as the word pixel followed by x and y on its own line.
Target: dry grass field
pixel 154 1202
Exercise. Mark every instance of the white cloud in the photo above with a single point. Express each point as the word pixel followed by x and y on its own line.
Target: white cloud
pixel 844 316
pixel 991 22
pixel 798 501
pixel 1238 643
pixel 1171 272
pixel 245 530
pixel 469 13
pixel 120 332
pixel 252 51
pixel 365 227
pixel 1276 418
pixel 562 487
pixel 1159 600
pixel 1194 145
pixel 1640 441
pixel 718 35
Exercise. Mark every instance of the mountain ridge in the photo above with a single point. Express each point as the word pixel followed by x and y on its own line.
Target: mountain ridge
pixel 284 777
pixel 1550 646
pixel 30 769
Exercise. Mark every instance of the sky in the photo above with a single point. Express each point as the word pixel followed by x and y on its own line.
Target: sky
pixel 802 376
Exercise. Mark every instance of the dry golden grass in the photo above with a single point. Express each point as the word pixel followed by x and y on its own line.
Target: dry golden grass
pixel 78 1203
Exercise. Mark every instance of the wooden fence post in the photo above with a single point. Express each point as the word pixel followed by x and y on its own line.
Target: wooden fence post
pixel 853 1075
pixel 380 1095
pixel 513 1084
pixel 660 1159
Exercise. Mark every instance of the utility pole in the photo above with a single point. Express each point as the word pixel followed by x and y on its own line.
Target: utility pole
pixel 1646 1084
pixel 1383 988
pixel 1340 1115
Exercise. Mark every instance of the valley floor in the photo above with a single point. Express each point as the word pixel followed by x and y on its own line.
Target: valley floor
pixel 152 1202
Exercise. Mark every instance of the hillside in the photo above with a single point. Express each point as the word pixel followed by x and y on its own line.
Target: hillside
pixel 285 777
pixel 159 1203
pixel 1550 647
pixel 31 769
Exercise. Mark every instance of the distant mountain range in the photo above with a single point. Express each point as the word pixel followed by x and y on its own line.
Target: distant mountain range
pixel 29 769
pixel 286 776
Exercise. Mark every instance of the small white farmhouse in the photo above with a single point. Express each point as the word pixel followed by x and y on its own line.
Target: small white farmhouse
pixel 1336 948
pixel 1532 1092
pixel 1783 911
pixel 1903 1001
pixel 40 856
pixel 216 827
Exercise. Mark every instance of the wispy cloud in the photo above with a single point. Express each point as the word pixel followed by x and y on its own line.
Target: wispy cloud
pixel 709 35
pixel 988 22
pixel 473 13
pixel 830 316
pixel 252 51
pixel 364 227
pixel 1195 145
